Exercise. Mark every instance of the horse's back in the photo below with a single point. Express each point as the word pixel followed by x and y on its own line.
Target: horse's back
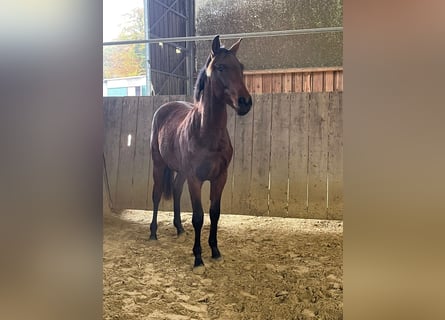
pixel 166 120
pixel 174 111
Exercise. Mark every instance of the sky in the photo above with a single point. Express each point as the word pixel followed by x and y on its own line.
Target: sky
pixel 112 15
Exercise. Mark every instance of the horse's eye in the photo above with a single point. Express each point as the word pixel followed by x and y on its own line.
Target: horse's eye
pixel 220 67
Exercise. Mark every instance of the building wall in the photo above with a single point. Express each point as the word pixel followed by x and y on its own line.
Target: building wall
pixel 120 87
pixel 298 51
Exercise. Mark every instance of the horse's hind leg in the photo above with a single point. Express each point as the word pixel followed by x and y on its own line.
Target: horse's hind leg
pixel 177 192
pixel 158 175
pixel 216 189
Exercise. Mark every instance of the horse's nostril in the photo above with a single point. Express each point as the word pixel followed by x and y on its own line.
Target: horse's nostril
pixel 245 103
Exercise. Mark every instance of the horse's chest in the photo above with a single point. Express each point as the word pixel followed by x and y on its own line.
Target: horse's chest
pixel 212 166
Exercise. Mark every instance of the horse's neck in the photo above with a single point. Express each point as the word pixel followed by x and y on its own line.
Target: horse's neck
pixel 213 115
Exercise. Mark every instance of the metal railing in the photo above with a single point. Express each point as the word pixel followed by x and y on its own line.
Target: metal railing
pixel 229 36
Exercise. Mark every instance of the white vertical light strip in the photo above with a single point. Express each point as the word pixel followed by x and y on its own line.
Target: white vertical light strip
pixel 268 193
pixel 288 187
pixel 327 191
pixel 129 140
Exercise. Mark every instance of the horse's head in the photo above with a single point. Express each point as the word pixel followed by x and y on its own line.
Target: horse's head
pixel 226 75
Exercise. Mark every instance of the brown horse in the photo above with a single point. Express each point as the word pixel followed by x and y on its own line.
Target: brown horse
pixel 192 141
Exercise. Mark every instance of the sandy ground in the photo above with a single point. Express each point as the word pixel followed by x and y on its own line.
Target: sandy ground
pixel 273 268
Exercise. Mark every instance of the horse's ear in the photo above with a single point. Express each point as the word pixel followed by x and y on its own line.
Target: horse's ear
pixel 215 46
pixel 235 46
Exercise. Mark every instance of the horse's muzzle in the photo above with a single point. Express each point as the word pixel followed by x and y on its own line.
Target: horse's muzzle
pixel 244 105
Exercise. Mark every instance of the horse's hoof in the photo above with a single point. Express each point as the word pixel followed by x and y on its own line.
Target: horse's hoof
pixel 153 237
pixel 219 259
pixel 181 237
pixel 199 270
pixel 215 253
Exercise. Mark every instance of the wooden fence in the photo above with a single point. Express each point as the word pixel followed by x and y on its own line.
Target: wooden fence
pixel 328 79
pixel 288 156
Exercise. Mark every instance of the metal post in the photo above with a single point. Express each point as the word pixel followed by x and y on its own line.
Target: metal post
pixel 147 49
pixel 189 46
pixel 192 46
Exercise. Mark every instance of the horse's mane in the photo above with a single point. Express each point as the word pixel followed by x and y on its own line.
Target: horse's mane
pixel 200 82
pixel 202 76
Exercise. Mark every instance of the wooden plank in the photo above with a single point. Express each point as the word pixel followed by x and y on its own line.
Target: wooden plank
pixel 287 84
pixel 277 83
pixel 338 81
pixel 112 128
pixel 307 82
pixel 245 81
pixel 298 155
pixel 279 158
pixel 257 84
pixel 340 84
pixel 259 183
pixel 158 101
pixel 248 80
pixel 178 97
pixel 318 149
pixel 106 200
pixel 267 83
pixel 292 70
pixel 127 153
pixel 142 171
pixel 335 159
pixel 317 82
pixel 329 81
pixel 226 200
pixel 297 79
pixel 242 163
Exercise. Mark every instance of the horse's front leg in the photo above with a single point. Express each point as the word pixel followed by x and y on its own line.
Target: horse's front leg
pixel 195 185
pixel 216 189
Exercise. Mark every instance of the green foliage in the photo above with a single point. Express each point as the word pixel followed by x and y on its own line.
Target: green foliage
pixel 126 60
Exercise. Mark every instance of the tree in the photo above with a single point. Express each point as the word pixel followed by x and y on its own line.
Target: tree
pixel 127 60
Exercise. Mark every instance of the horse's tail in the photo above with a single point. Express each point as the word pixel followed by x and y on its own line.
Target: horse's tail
pixel 167 184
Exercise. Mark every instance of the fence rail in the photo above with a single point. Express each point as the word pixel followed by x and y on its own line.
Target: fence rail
pixel 288 156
